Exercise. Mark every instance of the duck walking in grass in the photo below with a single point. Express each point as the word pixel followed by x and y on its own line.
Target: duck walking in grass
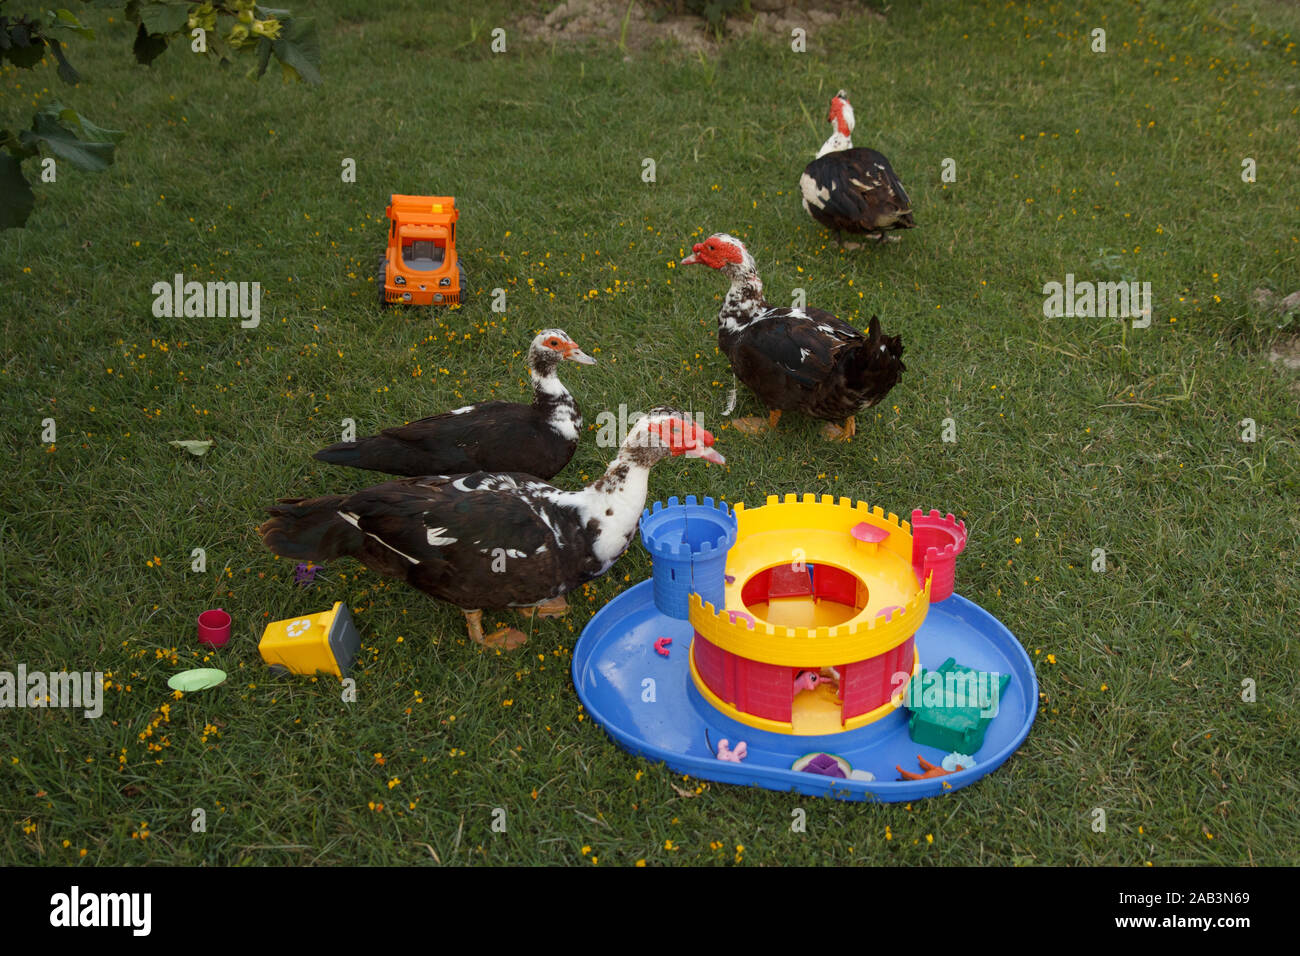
pixel 487 541
pixel 853 190
pixel 796 359
pixel 538 439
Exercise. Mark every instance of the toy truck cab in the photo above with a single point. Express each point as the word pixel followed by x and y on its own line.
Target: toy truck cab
pixel 420 265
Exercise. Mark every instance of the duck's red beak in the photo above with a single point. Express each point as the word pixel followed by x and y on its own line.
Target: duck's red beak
pixel 694 258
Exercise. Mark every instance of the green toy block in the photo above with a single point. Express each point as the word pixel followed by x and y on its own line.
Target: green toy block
pixel 951 707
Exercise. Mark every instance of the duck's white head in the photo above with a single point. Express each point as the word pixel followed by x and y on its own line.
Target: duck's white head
pixel 551 347
pixel 559 344
pixel 840 116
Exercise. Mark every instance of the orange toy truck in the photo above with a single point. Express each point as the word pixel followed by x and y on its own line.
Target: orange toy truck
pixel 420 266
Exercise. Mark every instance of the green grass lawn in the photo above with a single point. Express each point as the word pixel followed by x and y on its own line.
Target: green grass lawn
pixel 1072 433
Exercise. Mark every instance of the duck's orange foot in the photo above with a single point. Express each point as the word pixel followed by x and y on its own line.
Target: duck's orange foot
pixel 506 639
pixel 749 426
pixel 845 433
pixel 555 607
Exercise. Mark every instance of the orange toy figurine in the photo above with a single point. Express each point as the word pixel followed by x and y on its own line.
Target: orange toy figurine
pixel 930 770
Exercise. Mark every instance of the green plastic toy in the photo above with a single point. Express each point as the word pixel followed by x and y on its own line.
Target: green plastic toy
pixel 951 707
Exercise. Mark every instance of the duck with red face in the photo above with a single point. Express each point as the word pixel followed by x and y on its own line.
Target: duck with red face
pixel 796 359
pixel 853 190
pixel 486 541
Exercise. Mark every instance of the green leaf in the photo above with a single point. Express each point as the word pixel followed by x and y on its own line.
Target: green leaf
pixel 263 55
pixel 66 71
pixel 24 49
pixel 16 147
pixel 148 48
pixel 89 131
pixel 163 17
pixel 298 49
pixel 16 197
pixel 48 131
pixel 218 49
pixel 67 20
pixel 193 447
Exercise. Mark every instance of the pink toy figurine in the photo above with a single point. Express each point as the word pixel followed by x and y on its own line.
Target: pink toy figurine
pixel 807 680
pixel 729 755
pixel 661 645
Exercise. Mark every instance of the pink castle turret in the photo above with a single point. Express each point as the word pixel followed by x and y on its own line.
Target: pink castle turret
pixel 936 542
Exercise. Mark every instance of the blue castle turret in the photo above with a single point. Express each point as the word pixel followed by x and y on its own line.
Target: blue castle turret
pixel 688 544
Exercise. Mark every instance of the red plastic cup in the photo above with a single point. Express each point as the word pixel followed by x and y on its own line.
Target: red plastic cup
pixel 214 628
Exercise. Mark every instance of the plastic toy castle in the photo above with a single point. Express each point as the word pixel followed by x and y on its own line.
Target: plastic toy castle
pixel 797 645
pixel 841 599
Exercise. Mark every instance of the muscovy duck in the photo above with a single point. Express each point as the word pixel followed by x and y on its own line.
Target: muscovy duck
pixel 489 541
pixel 853 190
pixel 538 439
pixel 803 359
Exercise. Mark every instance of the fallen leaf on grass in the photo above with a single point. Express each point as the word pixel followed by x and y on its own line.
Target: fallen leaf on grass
pixel 193 447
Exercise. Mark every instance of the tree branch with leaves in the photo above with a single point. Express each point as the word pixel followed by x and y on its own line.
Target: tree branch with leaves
pixel 223 31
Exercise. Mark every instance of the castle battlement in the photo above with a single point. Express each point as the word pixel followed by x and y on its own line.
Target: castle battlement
pixel 859 508
pixel 688 542
pixel 663 526
pixel 740 633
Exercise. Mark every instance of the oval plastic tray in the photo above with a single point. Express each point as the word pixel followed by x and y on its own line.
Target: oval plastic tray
pixel 615 655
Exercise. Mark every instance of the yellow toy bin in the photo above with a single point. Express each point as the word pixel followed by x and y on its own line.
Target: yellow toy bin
pixel 326 643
